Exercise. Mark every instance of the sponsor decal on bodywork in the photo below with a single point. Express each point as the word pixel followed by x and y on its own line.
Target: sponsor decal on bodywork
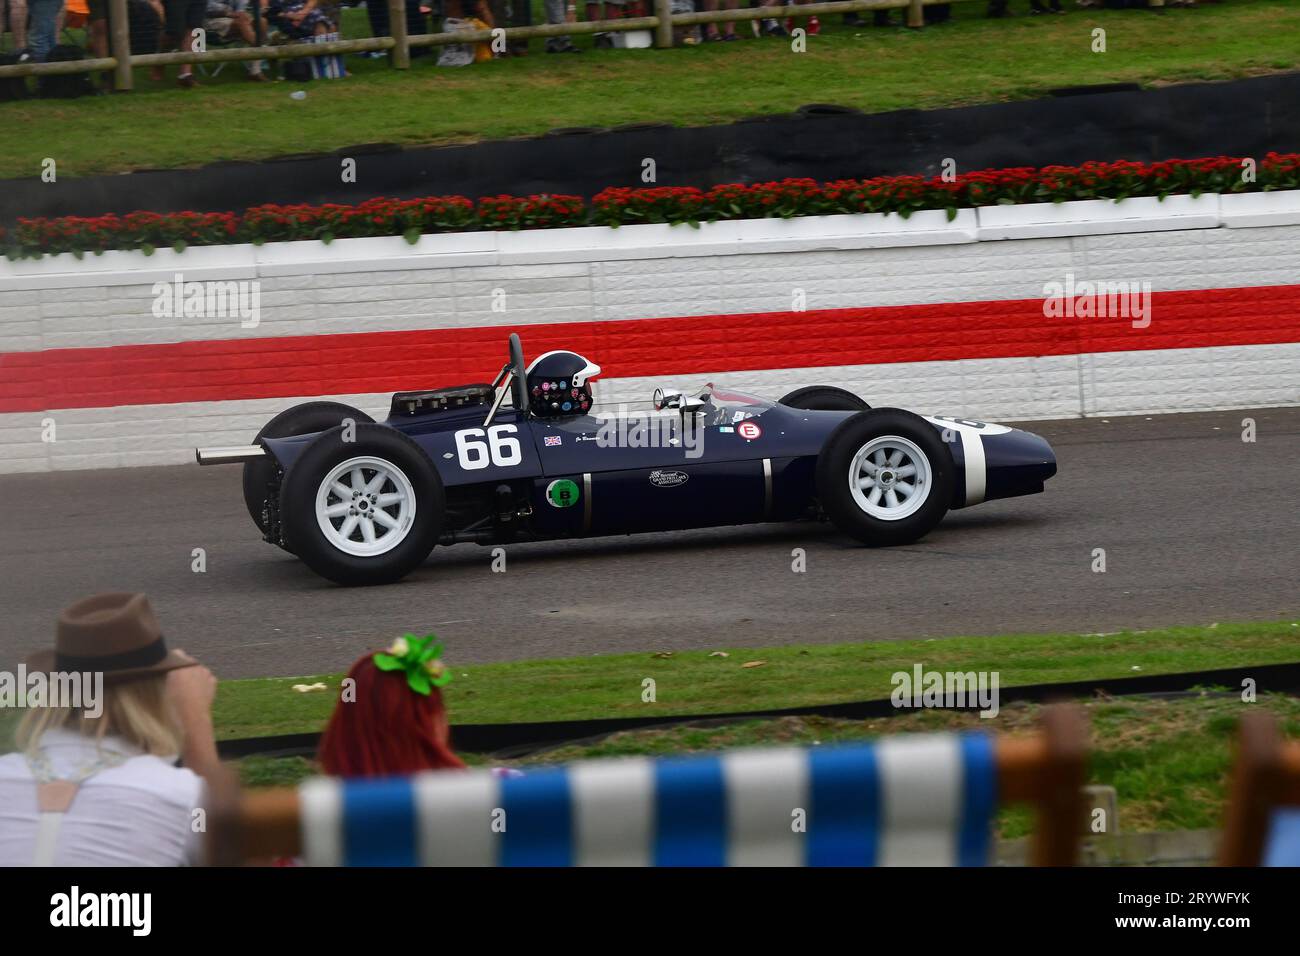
pixel 668 479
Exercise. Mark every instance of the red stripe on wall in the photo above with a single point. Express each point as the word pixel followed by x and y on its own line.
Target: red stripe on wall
pixel 366 362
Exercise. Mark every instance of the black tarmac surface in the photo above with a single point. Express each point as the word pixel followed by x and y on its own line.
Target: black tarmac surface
pixel 1197 526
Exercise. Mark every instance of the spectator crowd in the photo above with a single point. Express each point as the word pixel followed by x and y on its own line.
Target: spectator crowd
pixel 35 26
pixel 121 782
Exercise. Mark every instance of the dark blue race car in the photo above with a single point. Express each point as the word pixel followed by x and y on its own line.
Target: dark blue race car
pixel 362 502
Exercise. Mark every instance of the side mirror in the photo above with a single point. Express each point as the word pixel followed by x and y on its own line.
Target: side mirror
pixel 676 400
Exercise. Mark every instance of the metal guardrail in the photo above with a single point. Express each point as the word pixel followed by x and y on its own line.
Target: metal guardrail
pixel 400 43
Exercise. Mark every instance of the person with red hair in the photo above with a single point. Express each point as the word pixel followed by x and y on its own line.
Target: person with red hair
pixel 390 719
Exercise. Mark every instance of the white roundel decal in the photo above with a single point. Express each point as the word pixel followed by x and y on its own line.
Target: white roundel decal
pixel 748 430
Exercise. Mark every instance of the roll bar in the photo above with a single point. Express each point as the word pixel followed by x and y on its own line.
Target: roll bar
pixel 518 383
pixel 513 373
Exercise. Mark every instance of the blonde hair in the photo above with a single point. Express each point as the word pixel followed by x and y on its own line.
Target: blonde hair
pixel 137 711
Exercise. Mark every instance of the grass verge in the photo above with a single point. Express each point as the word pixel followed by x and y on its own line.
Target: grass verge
pixel 969 60
pixel 702 682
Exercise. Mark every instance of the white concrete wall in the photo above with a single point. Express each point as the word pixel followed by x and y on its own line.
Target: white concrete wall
pixel 711 283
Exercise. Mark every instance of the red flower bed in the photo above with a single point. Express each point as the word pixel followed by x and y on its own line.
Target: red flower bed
pixel 662 204
pixel 618 205
pixel 531 212
pixel 374 217
pixel 136 230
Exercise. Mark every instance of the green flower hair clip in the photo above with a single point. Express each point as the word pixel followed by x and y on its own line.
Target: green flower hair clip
pixel 420 658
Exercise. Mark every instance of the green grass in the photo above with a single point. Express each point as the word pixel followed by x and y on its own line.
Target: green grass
pixel 1167 759
pixel 970 60
pixel 696 682
pixel 701 682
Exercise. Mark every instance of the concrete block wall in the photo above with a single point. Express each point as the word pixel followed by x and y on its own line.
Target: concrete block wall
pixel 938 316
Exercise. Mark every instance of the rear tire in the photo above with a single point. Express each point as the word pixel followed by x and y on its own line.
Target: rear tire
pixel 885 477
pixel 261 474
pixel 362 512
pixel 825 398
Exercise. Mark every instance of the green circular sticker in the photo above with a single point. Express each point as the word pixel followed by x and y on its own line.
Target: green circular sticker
pixel 562 493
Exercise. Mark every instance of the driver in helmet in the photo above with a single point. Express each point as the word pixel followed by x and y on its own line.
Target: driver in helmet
pixel 559 384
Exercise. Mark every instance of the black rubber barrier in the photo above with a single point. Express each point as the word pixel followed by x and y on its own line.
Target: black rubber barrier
pixel 512 740
pixel 822 141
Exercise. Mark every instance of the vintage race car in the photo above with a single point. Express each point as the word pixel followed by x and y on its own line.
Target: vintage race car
pixel 364 503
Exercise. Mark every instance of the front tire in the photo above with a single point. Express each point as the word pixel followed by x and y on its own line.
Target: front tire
pixel 362 512
pixel 885 477
pixel 261 475
pixel 824 398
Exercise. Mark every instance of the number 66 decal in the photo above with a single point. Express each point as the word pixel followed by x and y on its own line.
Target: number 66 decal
pixel 474 453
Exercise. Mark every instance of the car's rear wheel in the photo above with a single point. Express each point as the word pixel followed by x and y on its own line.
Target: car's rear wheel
pixel 824 398
pixel 361 512
pixel 262 475
pixel 885 477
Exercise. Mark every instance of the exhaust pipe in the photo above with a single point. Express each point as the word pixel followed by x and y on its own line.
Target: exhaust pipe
pixel 228 455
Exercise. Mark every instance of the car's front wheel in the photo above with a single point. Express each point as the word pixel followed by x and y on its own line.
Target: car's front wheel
pixel 885 477
pixel 366 511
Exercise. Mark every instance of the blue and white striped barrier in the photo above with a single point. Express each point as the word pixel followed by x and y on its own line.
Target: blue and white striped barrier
pixel 1282 847
pixel 911 800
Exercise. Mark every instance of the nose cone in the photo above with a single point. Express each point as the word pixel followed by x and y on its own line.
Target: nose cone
pixel 1018 463
pixel 1033 455
pixel 1047 466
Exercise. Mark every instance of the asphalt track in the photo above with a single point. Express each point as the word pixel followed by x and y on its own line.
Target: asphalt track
pixel 1197 526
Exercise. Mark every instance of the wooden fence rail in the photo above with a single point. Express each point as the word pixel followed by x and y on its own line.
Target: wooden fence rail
pixel 400 43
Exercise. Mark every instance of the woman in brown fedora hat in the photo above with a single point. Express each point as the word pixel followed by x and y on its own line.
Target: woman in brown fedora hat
pixel 96 780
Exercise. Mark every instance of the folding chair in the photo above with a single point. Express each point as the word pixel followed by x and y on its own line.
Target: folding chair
pixel 215 42
pixel 1263 816
pixel 906 800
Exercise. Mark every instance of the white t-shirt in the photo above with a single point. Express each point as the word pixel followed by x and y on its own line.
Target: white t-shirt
pixel 138 813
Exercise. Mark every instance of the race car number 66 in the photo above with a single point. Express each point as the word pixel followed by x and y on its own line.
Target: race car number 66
pixel 473 453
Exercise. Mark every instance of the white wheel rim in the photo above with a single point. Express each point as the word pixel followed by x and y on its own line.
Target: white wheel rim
pixel 365 506
pixel 890 478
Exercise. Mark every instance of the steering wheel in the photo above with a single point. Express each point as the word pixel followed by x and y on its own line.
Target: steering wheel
pixel 517 383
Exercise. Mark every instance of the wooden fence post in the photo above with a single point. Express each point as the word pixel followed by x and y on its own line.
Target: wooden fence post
pixel 397 27
pixel 915 15
pixel 120 45
pixel 1256 780
pixel 664 32
pixel 1062 809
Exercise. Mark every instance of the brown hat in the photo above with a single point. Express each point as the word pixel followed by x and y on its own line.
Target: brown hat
pixel 113 633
